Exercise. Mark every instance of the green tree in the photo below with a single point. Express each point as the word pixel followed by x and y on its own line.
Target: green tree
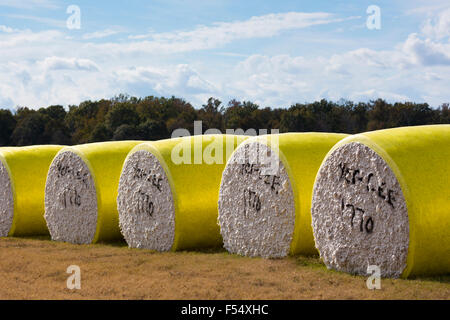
pixel 241 115
pixel 120 114
pixel 443 114
pixel 410 114
pixel 153 130
pixel 30 130
pixel 100 133
pixel 7 125
pixel 126 132
pixel 153 118
pixel 298 118
pixel 378 115
pixel 211 114
pixel 83 119
pixel 56 131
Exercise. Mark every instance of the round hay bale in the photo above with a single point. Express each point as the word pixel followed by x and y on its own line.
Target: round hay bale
pixel 265 194
pixel 81 191
pixel 23 171
pixel 168 192
pixel 382 198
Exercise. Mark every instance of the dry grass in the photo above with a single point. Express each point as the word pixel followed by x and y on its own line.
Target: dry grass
pixel 36 269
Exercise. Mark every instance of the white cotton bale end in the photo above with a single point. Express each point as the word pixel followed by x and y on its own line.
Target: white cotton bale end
pixel 265 194
pixel 6 201
pixel 80 192
pixel 257 209
pixel 145 202
pixel 71 200
pixel 381 198
pixel 359 213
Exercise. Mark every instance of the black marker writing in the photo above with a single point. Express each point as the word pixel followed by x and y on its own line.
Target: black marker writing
pixel 251 201
pixel 366 223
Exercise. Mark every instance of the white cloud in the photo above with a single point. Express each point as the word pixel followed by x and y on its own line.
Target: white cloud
pixel 264 64
pixel 432 76
pixel 372 58
pixel 200 38
pixel 29 4
pixel 426 52
pixel 358 75
pixel 48 21
pixel 48 67
pixel 139 36
pixel 100 34
pixel 413 52
pixel 54 81
pixel 5 103
pixel 426 7
pixel 439 27
pixel 373 94
pixel 58 63
pixel 222 33
pixel 7 29
pixel 256 27
pixel 24 38
pixel 176 80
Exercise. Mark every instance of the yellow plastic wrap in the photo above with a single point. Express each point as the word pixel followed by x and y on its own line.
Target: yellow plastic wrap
pixel 105 161
pixel 27 168
pixel 301 155
pixel 194 184
pixel 420 159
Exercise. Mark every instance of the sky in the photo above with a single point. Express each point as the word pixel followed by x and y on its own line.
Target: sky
pixel 273 53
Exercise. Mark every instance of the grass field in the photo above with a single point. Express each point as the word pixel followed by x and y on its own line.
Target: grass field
pixel 36 269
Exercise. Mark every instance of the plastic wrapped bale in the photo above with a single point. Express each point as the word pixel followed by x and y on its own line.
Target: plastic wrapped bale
pixel 168 192
pixel 23 171
pixel 265 194
pixel 383 198
pixel 81 191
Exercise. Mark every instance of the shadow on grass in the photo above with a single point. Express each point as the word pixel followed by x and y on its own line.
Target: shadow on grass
pixel 309 261
pixel 116 243
pixel 444 278
pixel 39 238
pixel 315 262
pixel 205 250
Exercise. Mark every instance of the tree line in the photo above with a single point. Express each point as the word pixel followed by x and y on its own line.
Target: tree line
pixel 152 118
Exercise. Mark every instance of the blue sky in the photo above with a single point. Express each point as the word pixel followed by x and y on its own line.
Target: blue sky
pixel 274 53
